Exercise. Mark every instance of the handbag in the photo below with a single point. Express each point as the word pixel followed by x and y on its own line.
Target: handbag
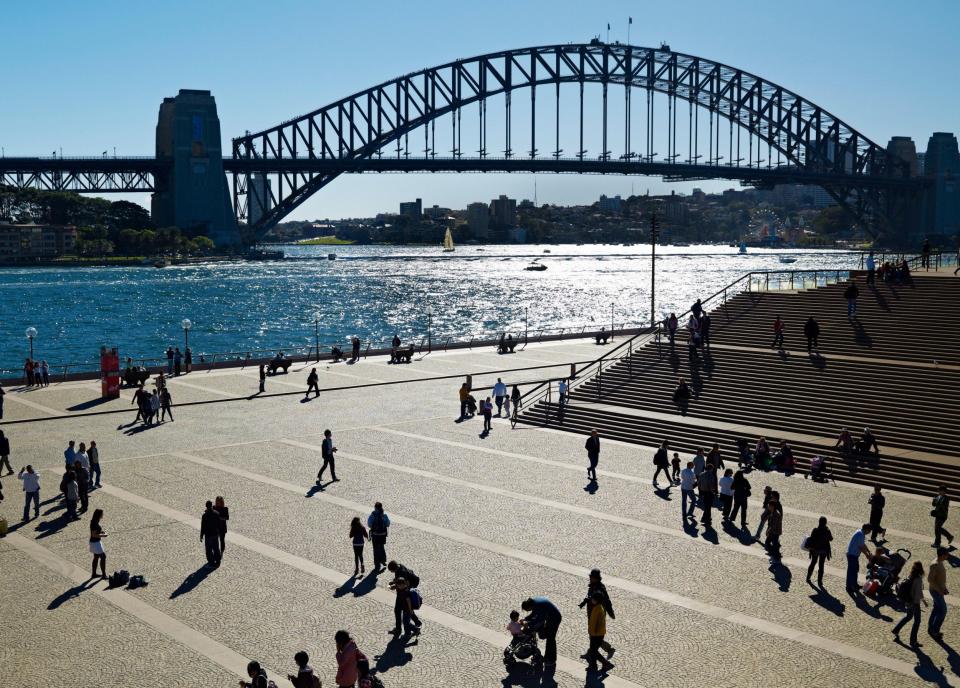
pixel 804 544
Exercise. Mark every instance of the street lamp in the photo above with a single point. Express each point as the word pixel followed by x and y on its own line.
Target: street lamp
pixel 31 333
pixel 654 231
pixel 186 324
pixel 429 325
pixel 316 332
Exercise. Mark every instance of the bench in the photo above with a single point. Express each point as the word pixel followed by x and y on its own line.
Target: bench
pixel 135 376
pixel 402 354
pixel 278 363
pixel 602 337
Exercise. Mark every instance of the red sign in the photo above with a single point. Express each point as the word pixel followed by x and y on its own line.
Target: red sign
pixel 109 373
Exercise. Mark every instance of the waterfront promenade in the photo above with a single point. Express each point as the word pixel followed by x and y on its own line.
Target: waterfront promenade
pixel 485 522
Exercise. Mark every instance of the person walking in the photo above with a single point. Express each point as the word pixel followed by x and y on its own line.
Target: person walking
pixel 404 580
pixel 45 371
pixel 596 630
pixel 741 493
pixel 877 501
pixel 210 535
pixel 177 361
pixel 777 333
pixel 223 511
pixel 2 395
pixel 937 582
pixel 592 446
pixel 327 451
pixel 515 399
pixel 464 394
pixel 138 400
pixel 263 378
pixel 662 461
pixel 596 587
pixel 258 677
pixel 818 545
pixel 500 395
pixel 313 383
pixel 871 269
pixel 154 407
pixel 774 531
pixel 856 547
pixel 166 402
pixel 379 524
pixel 705 324
pixel 487 410
pixel 562 392
pixel 169 360
pixel 5 452
pixel 358 534
pixel 305 677
pixel 811 330
pixel 94 455
pixel 688 479
pixel 544 618
pixel 850 294
pixel 940 512
pixel 348 655
pixel 726 493
pixel 708 493
pixel 83 485
pixel 912 596
pixel 96 546
pixel 31 491
pixel 188 360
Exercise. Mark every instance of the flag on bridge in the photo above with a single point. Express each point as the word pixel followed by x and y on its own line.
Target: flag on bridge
pixel 629 20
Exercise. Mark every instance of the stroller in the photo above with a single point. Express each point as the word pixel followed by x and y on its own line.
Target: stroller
pixel 523 649
pixel 883 574
pixel 471 405
pixel 818 470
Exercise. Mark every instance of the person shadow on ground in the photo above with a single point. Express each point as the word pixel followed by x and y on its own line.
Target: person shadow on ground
pixel 781 575
pixel 71 593
pixel 394 655
pixel 192 581
pixel 827 601
pixel 591 487
pixel 663 493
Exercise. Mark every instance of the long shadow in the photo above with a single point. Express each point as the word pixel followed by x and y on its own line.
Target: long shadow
pixel 394 655
pixel 72 593
pixel 860 335
pixel 710 535
pixel 863 604
pixel 138 429
pixel 522 675
pixel 346 588
pixel 818 361
pixel 690 528
pixel 952 657
pixel 880 298
pixel 663 493
pixel 782 575
pixel 591 487
pixel 366 584
pixel 828 602
pixel 192 581
pixel 928 671
pixel 314 489
pixel 88 404
pixel 48 528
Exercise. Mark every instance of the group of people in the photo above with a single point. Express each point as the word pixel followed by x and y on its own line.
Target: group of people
pixel 811 330
pixel 502 396
pixel 153 406
pixel 179 362
pixel 36 373
pixel 896 271
pixel 698 329
pixel 353 668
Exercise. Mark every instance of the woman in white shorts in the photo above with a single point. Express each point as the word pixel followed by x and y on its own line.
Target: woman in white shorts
pixel 96 546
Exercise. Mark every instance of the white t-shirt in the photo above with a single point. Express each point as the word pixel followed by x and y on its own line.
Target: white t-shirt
pixel 687 479
pixel 726 485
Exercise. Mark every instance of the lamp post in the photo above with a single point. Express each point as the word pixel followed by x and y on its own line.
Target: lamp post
pixel 316 332
pixel 186 333
pixel 654 231
pixel 526 325
pixel 31 333
pixel 429 326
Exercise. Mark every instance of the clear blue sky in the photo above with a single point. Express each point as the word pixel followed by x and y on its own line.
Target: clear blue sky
pixel 86 77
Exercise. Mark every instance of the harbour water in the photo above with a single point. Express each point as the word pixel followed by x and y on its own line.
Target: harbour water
pixel 368 291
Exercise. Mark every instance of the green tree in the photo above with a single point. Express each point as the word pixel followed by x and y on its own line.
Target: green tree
pixel 200 245
pixel 832 220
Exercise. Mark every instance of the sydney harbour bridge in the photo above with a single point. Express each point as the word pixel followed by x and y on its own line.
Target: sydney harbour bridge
pixel 593 108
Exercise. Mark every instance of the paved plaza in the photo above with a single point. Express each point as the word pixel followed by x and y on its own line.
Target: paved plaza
pixel 484 521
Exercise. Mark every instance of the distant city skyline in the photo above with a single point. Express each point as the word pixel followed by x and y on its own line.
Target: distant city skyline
pixel 130 58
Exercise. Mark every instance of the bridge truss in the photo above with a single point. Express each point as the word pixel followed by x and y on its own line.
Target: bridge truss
pixel 712 121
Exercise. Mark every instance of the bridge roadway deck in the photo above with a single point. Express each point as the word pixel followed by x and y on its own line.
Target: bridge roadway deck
pixel 484 521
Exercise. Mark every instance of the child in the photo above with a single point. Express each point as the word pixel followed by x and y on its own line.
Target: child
pixel 597 629
pixel 676 467
pixel 515 627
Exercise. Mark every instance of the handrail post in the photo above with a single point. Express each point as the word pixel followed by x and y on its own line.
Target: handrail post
pixel 630 359
pixel 766 282
pixel 600 379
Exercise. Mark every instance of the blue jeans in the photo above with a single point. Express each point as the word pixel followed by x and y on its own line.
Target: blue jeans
pixel 851 307
pixel 938 614
pixel 169 366
pixel 913 612
pixel 684 496
pixel 31 497
pixel 853 570
pixel 95 471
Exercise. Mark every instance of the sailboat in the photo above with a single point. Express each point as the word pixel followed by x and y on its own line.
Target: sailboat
pixel 448 242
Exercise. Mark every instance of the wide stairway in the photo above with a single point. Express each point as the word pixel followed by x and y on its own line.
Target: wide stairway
pixel 895 369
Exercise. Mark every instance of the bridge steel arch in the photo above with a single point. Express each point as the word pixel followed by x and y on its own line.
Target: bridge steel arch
pixel 856 171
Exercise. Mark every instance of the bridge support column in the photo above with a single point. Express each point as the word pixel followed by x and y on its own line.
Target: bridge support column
pixel 194 196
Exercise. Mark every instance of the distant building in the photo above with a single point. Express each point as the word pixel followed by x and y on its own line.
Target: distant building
pixel 36 241
pixel 922 163
pixel 478 219
pixel 698 194
pixel 942 164
pixel 904 148
pixel 503 211
pixel 526 204
pixel 675 209
pixel 801 194
pixel 518 235
pixel 436 212
pixel 610 205
pixel 412 209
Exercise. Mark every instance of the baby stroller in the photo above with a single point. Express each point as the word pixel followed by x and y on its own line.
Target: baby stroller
pixel 818 470
pixel 471 405
pixel 523 648
pixel 883 574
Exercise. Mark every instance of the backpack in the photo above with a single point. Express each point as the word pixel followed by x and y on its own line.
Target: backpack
pixel 661 458
pixel 416 600
pixel 378 525
pixel 119 578
pixel 413 579
pixel 904 590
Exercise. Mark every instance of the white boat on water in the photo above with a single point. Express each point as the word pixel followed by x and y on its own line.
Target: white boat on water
pixel 448 242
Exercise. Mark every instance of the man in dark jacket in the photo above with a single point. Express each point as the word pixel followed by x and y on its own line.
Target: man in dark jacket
pixel 941 509
pixel 596 586
pixel 850 294
pixel 412 580
pixel 543 618
pixel 811 329
pixel 662 461
pixel 210 534
pixel 593 454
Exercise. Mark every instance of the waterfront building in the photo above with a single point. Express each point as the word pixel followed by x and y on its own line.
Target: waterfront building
pixel 942 163
pixel 478 219
pixel 27 241
pixel 610 204
pixel 412 209
pixel 503 211
pixel 436 212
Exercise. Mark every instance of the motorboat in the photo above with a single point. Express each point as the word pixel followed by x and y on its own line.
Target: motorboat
pixel 546 250
pixel 331 256
pixel 536 266
pixel 787 259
